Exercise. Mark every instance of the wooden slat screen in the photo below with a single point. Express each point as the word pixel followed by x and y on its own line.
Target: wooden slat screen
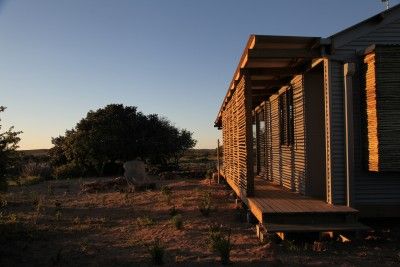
pixel 382 96
pixel 234 137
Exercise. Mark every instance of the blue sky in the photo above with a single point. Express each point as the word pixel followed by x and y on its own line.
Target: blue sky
pixel 60 59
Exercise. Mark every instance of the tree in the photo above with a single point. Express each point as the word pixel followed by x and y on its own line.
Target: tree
pixel 8 145
pixel 119 133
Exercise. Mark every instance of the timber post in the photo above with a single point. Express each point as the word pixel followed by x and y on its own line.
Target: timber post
pixel 218 163
pixel 249 135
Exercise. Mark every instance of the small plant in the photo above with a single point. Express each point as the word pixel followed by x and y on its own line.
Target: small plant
pixel 39 203
pixel 157 251
pixel 3 201
pixel 77 220
pixel 13 218
pixel 177 221
pixel 50 189
pixel 58 215
pixel 58 210
pixel 42 171
pixel 205 205
pixel 144 221
pixel 129 198
pixel 31 180
pixel 210 173
pixel 220 241
pixel 69 170
pixel 166 191
pixel 291 246
pixel 173 211
pixel 34 196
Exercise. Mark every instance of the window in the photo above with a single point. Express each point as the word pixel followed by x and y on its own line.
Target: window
pixel 286 118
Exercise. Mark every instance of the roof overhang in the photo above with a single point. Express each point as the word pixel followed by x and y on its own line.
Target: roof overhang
pixel 271 62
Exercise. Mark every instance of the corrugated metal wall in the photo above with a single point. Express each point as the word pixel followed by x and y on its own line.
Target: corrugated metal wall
pixel 335 132
pixel 369 188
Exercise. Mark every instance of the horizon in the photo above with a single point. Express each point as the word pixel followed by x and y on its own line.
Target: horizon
pixel 176 59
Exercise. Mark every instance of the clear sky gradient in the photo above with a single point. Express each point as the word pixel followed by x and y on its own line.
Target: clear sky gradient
pixel 60 59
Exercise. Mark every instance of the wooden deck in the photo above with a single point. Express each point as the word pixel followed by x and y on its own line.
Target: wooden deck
pixel 281 210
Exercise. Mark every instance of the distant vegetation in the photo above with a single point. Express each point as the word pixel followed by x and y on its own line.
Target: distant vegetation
pixel 8 145
pixel 98 145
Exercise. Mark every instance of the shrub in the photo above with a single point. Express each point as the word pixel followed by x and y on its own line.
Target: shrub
pixel 177 221
pixel 40 169
pixel 167 193
pixel 209 173
pixel 30 180
pixel 157 251
pixel 69 170
pixel 173 211
pixel 220 241
pixel 144 221
pixel 58 210
pixel 205 205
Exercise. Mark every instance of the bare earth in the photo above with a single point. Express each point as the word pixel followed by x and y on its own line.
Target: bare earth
pixel 53 224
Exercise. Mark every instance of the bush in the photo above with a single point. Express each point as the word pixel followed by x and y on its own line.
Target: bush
pixel 69 170
pixel 157 252
pixel 209 173
pixel 144 221
pixel 173 211
pixel 167 193
pixel 205 205
pixel 42 170
pixel 30 180
pixel 220 241
pixel 177 221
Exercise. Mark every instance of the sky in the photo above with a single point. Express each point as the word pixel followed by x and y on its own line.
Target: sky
pixel 61 58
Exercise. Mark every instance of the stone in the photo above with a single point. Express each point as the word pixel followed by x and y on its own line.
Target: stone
pixel 135 170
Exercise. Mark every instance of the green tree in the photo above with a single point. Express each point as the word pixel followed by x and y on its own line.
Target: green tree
pixel 119 133
pixel 8 145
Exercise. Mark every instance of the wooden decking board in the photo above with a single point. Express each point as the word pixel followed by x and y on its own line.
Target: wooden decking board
pixel 284 211
pixel 272 199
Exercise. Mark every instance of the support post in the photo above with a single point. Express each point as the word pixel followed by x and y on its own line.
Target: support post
pixel 249 136
pixel 348 72
pixel 218 163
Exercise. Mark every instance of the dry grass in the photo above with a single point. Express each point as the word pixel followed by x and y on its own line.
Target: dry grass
pixel 52 224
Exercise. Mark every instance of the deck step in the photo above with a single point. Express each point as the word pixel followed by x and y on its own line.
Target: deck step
pixel 313 218
pixel 273 227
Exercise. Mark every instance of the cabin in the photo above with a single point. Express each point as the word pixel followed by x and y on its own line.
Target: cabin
pixel 311 127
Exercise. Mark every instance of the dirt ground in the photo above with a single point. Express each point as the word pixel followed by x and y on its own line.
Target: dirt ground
pixel 53 224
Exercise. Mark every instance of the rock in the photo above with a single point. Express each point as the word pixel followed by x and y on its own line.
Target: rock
pixel 135 170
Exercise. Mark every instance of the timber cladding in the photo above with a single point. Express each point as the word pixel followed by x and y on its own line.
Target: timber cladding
pixel 234 137
pixel 286 164
pixel 382 96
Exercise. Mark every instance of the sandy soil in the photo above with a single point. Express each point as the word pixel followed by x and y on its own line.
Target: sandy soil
pixel 53 224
